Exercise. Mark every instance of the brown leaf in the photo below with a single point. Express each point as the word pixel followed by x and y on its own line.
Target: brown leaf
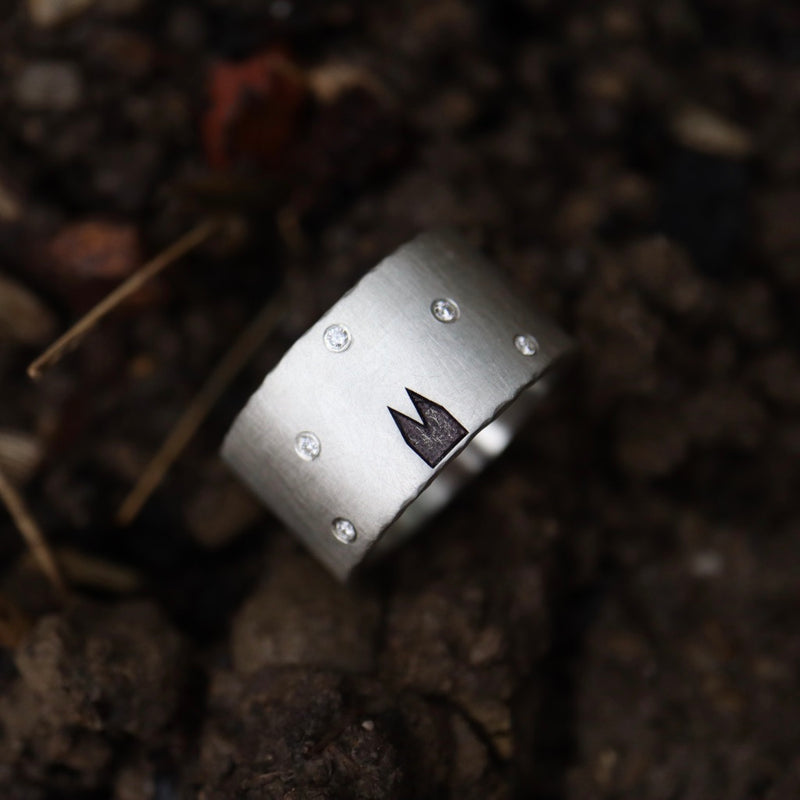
pixel 253 111
pixel 95 249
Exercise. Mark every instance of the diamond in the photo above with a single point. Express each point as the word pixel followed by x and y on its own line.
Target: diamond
pixel 307 445
pixel 526 344
pixel 337 338
pixel 344 530
pixel 445 310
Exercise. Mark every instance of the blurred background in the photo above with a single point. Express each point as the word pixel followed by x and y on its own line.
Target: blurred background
pixel 611 611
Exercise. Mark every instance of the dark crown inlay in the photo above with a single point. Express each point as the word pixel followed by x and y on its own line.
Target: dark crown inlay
pixel 434 437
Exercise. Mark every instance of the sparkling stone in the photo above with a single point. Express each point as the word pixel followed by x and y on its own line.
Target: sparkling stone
pixel 344 530
pixel 337 338
pixel 307 446
pixel 526 344
pixel 445 310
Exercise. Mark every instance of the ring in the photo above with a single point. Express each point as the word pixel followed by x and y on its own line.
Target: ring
pixel 393 399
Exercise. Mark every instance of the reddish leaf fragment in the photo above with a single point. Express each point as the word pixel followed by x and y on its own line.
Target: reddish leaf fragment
pixel 85 260
pixel 95 249
pixel 254 108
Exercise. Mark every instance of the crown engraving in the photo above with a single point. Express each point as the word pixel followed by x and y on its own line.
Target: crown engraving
pixel 435 436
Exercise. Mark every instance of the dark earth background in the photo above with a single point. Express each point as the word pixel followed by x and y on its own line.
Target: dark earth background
pixel 612 611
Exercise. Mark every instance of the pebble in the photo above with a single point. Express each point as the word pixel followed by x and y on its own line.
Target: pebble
pixel 20 455
pixel 48 86
pixel 23 317
pixel 49 13
pixel 120 8
pixel 284 623
pixel 706 564
pixel 10 207
pixel 116 669
pixel 777 375
pixel 186 28
pixel 705 131
pixel 219 510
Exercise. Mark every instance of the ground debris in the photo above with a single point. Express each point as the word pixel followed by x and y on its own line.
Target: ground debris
pixel 20 455
pixel 284 624
pixel 24 318
pixel 101 668
pixel 299 730
pixel 49 13
pixel 707 132
pixel 49 86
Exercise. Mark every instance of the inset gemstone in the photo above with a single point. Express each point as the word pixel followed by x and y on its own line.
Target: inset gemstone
pixel 445 310
pixel 307 446
pixel 337 338
pixel 526 344
pixel 344 530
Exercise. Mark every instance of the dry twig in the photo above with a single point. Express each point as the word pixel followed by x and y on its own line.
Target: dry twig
pixel 32 534
pixel 93 572
pixel 226 370
pixel 194 238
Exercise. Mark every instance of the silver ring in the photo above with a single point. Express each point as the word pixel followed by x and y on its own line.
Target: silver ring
pixel 384 407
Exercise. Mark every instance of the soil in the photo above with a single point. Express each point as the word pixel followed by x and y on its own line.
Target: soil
pixel 611 611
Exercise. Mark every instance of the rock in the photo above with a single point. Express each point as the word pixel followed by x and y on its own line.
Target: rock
pixel 777 375
pixel 580 215
pixel 705 205
pixel 664 273
pixel 471 758
pixel 779 232
pixel 618 333
pixel 302 616
pixel 142 778
pixel 652 440
pixel 120 8
pixel 23 317
pixel 10 206
pixel 300 733
pixel 437 644
pixel 125 53
pixel 186 28
pixel 20 455
pixel 751 311
pixel 330 81
pixel 104 669
pixel 32 742
pixel 14 624
pixel 17 789
pixel 702 130
pixel 49 13
pixel 220 508
pixel 725 412
pixel 48 86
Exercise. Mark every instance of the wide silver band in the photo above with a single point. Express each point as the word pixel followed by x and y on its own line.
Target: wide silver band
pixel 394 387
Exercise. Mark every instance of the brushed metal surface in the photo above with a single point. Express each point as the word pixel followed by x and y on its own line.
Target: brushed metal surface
pixel 366 472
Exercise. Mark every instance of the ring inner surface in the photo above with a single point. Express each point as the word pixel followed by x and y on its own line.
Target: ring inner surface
pixel 486 445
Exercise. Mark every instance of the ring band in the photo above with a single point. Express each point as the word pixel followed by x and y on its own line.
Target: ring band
pixel 384 407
